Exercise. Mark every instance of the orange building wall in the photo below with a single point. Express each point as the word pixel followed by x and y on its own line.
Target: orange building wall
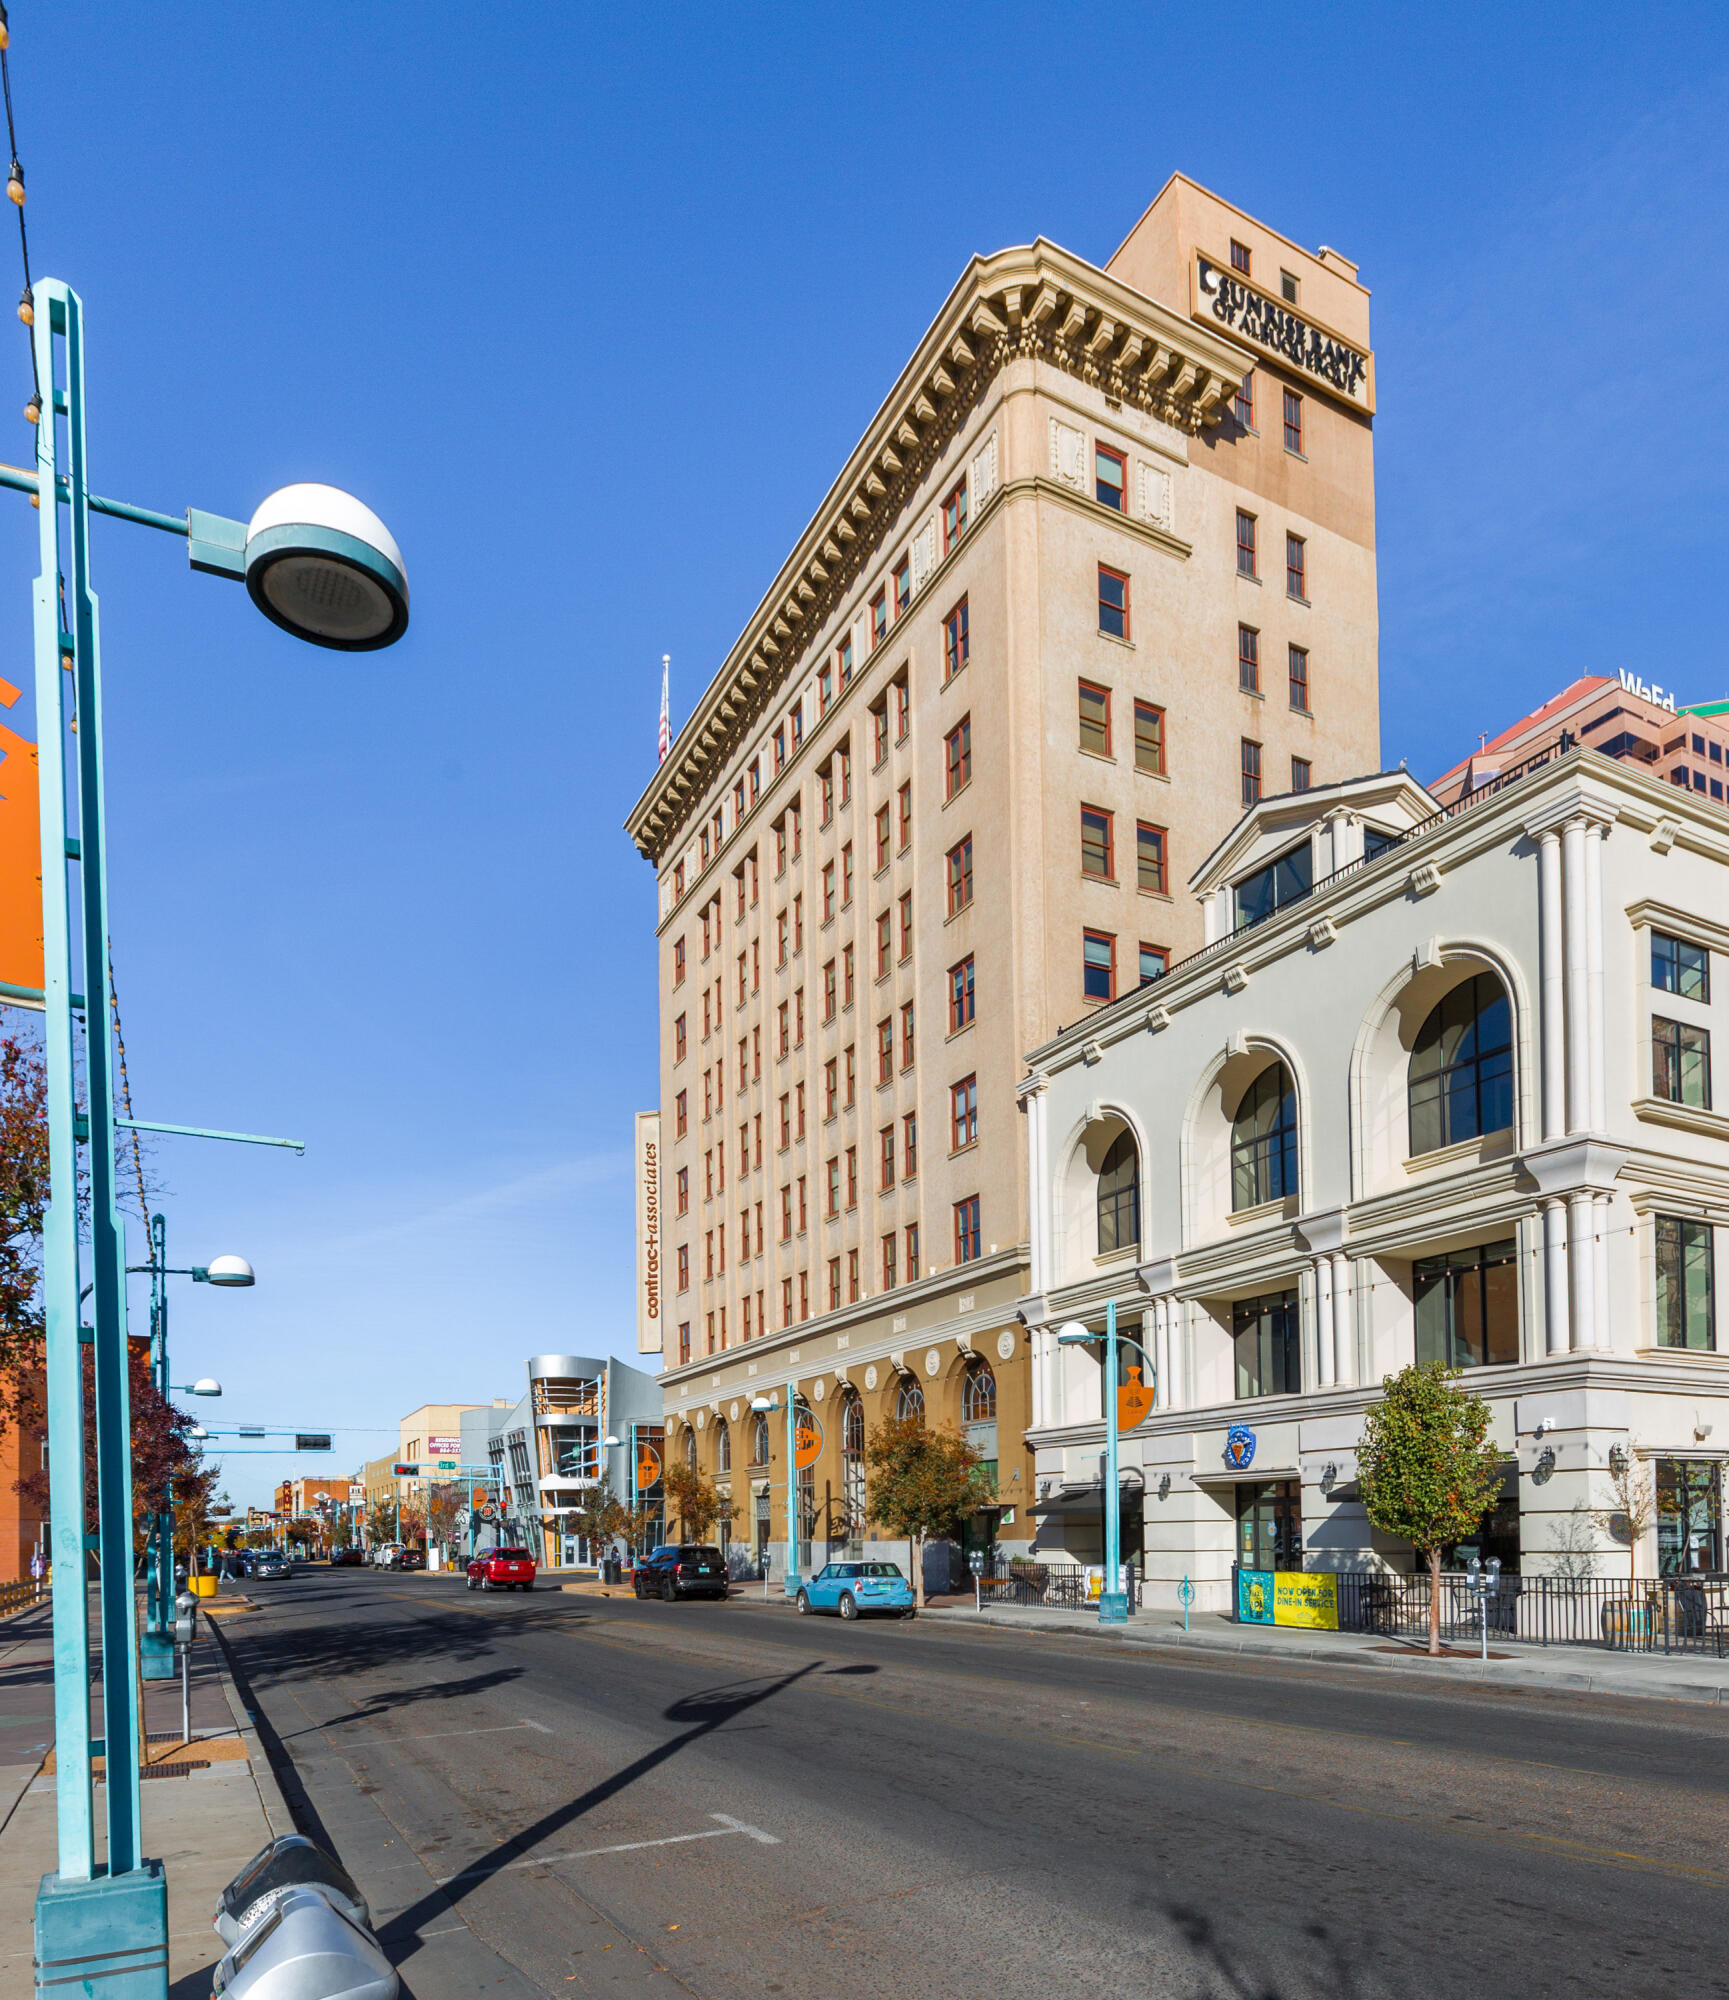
pixel 21 1532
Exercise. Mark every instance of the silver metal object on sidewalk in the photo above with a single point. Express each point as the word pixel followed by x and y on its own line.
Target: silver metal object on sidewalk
pixel 303 1948
pixel 290 1862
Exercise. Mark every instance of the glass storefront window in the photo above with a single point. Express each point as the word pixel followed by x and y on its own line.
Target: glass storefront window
pixel 1270 1524
pixel 1684 1310
pixel 1267 1339
pixel 1468 1306
pixel 1689 1516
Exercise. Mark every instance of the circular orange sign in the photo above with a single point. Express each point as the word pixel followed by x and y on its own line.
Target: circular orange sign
pixel 647 1467
pixel 806 1439
pixel 1134 1399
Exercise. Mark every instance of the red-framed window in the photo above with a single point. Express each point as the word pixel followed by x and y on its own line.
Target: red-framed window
pixel 968 1248
pixel 879 618
pixel 960 875
pixel 1095 718
pixel 1149 738
pixel 1248 562
pixel 1243 402
pixel 1151 874
pixel 1302 774
pixel 958 757
pixel 964 1113
pixel 1248 659
pixel 1240 257
pixel 1098 965
pixel 1251 769
pixel 954 516
pixel 1097 856
pixel 1113 603
pixel 901 578
pixel 1297 568
pixel 1110 478
pixel 1155 962
pixel 961 994
pixel 1298 663
pixel 957 641
pixel 1293 422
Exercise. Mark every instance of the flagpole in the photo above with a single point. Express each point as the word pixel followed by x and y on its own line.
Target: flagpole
pixel 665 743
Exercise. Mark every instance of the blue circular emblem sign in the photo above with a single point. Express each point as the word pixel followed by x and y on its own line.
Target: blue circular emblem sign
pixel 1239 1447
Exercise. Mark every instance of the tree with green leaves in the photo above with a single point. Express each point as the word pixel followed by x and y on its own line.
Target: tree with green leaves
pixel 696 1501
pixel 1425 1467
pixel 923 1484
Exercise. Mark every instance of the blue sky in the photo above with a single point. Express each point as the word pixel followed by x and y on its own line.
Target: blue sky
pixel 590 305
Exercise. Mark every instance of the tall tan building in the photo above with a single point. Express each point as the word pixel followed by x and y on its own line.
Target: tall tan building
pixel 1101 569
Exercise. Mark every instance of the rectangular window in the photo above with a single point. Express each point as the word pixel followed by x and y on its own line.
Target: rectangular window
pixel 784 1019
pixel 1098 965
pixel 849 1067
pixel 954 517
pixel 843 757
pixel 1288 879
pixel 830 1087
pixel 1680 967
pixel 1110 478
pixel 803 1207
pixel 1239 257
pixel 833 1178
pixel 912 1236
pixel 882 838
pixel 967 1249
pixel 798 1110
pixel 957 641
pixel 786 1213
pixel 678 881
pixel 961 994
pixel 885 943
pixel 786 1302
pixel 798 725
pixel 890 1261
pixel 684 1190
pixel 958 757
pixel 684 1267
pixel 683 1341
pixel 1150 859
pixel 828 892
pixel 902 579
pixel 678 1038
pixel 906 911
pixel 903 709
pixel 1113 603
pixel 848 983
pixel 780 747
pixel 852 1277
pixel 1298 661
pixel 1251 766
pixel 1248 660
pixel 1149 738
pixel 910 1146
pixel 1243 402
pixel 964 1113
pixel 1296 560
pixel 907 1043
pixel 1246 558
pixel 852 1177
pixel 879 619
pixel 782 935
pixel 1288 287
pixel 824 689
pixel 1293 422
pixel 1268 1342
pixel 830 992
pixel 960 875
pixel 843 660
pixel 798 1017
pixel 804 1295
pixel 1302 774
pixel 755 775
pixel 1095 719
pixel 678 961
pixel 1096 856
pixel 886 1158
pixel 1155 963
pixel 1680 1063
pixel 1467 1306
pixel 880 733
pixel 904 817
pixel 1685 1311
pixel 833 1283
pixel 846 876
pixel 886 1050
pixel 785 1120
pixel 681 1114
pixel 825 800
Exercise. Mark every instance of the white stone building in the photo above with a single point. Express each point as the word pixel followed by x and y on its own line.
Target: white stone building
pixel 1439 1084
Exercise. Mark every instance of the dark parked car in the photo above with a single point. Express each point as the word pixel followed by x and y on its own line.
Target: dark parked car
pixel 349 1558
pixel 681 1569
pixel 410 1559
pixel 502 1569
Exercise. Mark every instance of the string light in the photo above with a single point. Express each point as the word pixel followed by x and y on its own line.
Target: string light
pixel 26 308
pixel 15 188
pixel 15 184
pixel 33 409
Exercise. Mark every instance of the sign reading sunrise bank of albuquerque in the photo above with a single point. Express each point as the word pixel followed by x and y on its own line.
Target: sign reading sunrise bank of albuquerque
pixel 650 1337
pixel 1329 360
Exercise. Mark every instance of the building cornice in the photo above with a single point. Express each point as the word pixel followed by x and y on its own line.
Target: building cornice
pixel 1033 302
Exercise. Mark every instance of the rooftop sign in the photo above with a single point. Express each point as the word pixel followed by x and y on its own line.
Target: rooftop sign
pixel 1632 684
pixel 1313 350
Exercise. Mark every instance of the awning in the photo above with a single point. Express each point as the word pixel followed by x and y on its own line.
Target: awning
pixel 1085 1498
pixel 1253 1477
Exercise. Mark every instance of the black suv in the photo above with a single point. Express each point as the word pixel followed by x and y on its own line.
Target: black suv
pixel 682 1569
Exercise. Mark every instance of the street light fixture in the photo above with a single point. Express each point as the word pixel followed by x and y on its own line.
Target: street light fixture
pixel 321 566
pixel 764 1403
pixel 1114 1606
pixel 233 1272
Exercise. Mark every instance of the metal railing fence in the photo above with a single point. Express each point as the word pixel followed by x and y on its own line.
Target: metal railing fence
pixel 1679 1614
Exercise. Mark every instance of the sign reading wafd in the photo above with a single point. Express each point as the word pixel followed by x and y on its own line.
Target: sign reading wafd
pixel 1315 351
pixel 650 1338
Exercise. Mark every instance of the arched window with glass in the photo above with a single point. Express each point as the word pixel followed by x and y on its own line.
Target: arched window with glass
pixel 852 1473
pixel 979 1413
pixel 1264 1140
pixel 1120 1196
pixel 1461 1075
pixel 722 1446
pixel 910 1404
pixel 690 1448
pixel 759 1439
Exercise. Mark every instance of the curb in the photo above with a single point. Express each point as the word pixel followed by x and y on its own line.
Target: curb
pixel 276 1814
pixel 1526 1674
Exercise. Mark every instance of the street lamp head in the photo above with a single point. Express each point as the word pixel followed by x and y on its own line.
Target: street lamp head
pixel 760 1403
pixel 229 1271
pixel 326 568
pixel 198 1431
pixel 1074 1334
pixel 609 1440
pixel 206 1385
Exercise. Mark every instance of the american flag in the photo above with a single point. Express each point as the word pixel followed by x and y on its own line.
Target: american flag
pixel 665 710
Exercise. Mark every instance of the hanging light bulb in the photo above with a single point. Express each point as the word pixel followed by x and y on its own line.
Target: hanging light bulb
pixel 33 409
pixel 15 184
pixel 26 307
pixel 5 31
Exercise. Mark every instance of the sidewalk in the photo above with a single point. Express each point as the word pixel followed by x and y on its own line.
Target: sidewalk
pixel 1559 1669
pixel 204 1823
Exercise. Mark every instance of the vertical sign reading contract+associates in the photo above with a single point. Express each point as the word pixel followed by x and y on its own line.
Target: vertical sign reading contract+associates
pixel 649 1336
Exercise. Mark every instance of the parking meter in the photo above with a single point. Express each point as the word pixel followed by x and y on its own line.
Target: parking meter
pixel 976 1563
pixel 185 1618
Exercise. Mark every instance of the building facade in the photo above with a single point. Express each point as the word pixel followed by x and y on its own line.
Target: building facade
pixel 1101 569
pixel 1441 1088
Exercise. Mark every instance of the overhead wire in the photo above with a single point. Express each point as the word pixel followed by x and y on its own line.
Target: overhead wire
pixel 15 190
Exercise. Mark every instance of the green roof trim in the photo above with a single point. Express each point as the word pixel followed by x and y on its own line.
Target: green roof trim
pixel 1707 708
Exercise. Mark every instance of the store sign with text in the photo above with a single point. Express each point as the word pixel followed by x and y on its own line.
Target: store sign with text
pixel 650 1337
pixel 1333 363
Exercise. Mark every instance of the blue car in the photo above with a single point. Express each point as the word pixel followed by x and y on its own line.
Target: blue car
pixel 851 1589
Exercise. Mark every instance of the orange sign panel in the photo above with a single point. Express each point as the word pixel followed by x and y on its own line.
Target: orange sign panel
pixel 806 1440
pixel 20 858
pixel 1134 1399
pixel 647 1467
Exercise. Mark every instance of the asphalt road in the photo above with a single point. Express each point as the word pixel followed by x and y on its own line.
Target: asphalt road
pixel 568 1795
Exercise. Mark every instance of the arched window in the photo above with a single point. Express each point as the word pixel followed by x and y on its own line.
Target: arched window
pixel 852 1472
pixel 759 1439
pixel 690 1448
pixel 1120 1197
pixel 978 1394
pixel 722 1446
pixel 911 1404
pixel 1264 1141
pixel 1461 1077
pixel 852 1429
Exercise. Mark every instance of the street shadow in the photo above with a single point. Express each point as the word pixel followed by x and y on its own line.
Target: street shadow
pixel 1335 1975
pixel 705 1712
pixel 389 1700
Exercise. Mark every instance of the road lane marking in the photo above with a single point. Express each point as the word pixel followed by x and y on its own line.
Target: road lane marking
pixel 728 1825
pixel 541 1726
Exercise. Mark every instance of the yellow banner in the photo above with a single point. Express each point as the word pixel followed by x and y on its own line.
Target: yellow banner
pixel 1306 1597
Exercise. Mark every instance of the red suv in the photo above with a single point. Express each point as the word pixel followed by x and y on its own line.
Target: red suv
pixel 502 1569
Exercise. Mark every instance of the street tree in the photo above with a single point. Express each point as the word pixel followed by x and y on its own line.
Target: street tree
pixel 1425 1467
pixel 602 1518
pixel 923 1484
pixel 1631 1495
pixel 695 1500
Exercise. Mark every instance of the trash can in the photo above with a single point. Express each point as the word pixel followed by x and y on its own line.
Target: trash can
pixel 610 1571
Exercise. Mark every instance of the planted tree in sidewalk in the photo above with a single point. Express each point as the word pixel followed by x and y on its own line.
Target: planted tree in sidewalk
pixel 696 1501
pixel 1425 1467
pixel 923 1484
pixel 1631 1496
pixel 603 1518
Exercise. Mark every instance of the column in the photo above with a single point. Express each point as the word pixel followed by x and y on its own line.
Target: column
pixel 1344 1323
pixel 1552 1030
pixel 1557 1319
pixel 1583 1268
pixel 1324 1319
pixel 1161 1357
pixel 1594 976
pixel 1576 1005
pixel 1038 1205
pixel 1600 1271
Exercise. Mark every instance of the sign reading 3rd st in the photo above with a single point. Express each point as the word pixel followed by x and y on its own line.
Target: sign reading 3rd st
pixel 1325 357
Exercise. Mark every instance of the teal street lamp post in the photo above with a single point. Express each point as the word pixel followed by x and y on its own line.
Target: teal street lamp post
pixel 319 564
pixel 766 1403
pixel 1113 1598
pixel 157 1643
